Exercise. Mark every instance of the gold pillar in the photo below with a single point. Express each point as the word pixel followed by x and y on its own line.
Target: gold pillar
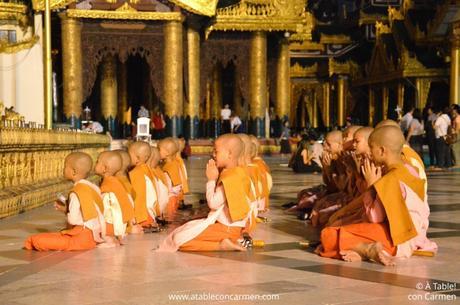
pixel 385 101
pixel 48 71
pixel 455 64
pixel 258 75
pixel 400 94
pixel 208 99
pixel 283 80
pixel 371 106
pixel 109 87
pixel 72 66
pixel 122 93
pixel 314 111
pixel 423 88
pixel 216 97
pixel 193 57
pixel 341 100
pixel 172 65
pixel 326 105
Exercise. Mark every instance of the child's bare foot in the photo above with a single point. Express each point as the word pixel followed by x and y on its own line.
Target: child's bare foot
pixel 319 249
pixel 351 256
pixel 376 253
pixel 228 245
pixel 137 229
pixel 106 245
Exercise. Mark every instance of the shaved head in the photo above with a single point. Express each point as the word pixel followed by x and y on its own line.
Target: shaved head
pixel 233 143
pixel 169 145
pixel 387 123
pixel 139 152
pixel 349 132
pixel 125 160
pixel 111 161
pixel 335 136
pixel 154 157
pixel 80 162
pixel 256 142
pixel 390 137
pixel 364 132
pixel 248 148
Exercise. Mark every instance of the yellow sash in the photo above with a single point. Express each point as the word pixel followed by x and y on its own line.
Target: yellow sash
pixel 88 197
pixel 388 189
pixel 408 154
pixel 237 187
pixel 173 169
pixel 127 185
pixel 185 186
pixel 113 185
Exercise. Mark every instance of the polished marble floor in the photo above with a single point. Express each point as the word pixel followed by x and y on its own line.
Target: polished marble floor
pixel 280 273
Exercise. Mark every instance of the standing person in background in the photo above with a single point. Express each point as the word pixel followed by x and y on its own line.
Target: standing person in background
pixel 236 124
pixel 415 132
pixel 406 120
pixel 159 125
pixel 441 126
pixel 284 140
pixel 225 115
pixel 430 136
pixel 456 130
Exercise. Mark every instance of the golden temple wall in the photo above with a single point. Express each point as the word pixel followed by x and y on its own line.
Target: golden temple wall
pixel 32 163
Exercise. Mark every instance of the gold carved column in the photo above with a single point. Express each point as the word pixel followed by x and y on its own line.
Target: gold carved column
pixel 455 64
pixel 109 92
pixel 192 111
pixel 72 69
pixel 371 106
pixel 314 110
pixel 123 93
pixel 400 96
pixel 173 77
pixel 258 83
pixel 326 105
pixel 423 88
pixel 385 102
pixel 283 81
pixel 341 100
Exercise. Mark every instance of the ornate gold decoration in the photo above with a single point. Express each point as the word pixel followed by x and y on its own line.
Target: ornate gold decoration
pixel 370 18
pixel 335 39
pixel 304 29
pixel 258 75
pixel 382 28
pixel 283 80
pixel 298 71
pixel 326 93
pixel 385 102
pixel 423 88
pixel 122 92
pixel 13 11
pixel 260 15
pixel 394 14
pixel 193 64
pixel 39 5
pixel 216 92
pixel 109 87
pixel 72 66
pixel 173 77
pixel 11 48
pixel 341 68
pixel 341 101
pixel 32 161
pixel 200 7
pixel 306 46
pixel 125 13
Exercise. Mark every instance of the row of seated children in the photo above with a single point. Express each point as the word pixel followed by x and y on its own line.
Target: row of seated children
pixel 373 201
pixel 148 195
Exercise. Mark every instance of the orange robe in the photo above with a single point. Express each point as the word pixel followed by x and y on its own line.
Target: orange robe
pixel 138 177
pixel 172 201
pixel 398 227
pixel 236 184
pixel 78 237
pixel 265 176
pixel 114 186
pixel 173 170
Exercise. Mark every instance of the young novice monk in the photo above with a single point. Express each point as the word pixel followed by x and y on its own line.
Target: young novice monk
pixel 162 181
pixel 227 195
pixel 146 206
pixel 168 150
pixel 266 178
pixel 118 209
pixel 122 176
pixel 396 214
pixel 83 210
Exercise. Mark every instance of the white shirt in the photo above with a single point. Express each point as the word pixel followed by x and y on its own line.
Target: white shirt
pixel 405 121
pixel 441 125
pixel 417 127
pixel 225 114
pixel 317 151
pixel 235 122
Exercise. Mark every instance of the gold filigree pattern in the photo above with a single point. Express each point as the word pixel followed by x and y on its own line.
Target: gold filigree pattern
pixel 125 14
pixel 11 48
pixel 298 71
pixel 200 7
pixel 39 5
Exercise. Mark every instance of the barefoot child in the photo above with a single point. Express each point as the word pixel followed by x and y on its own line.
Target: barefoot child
pixel 227 195
pixel 83 210
pixel 118 210
pixel 397 213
